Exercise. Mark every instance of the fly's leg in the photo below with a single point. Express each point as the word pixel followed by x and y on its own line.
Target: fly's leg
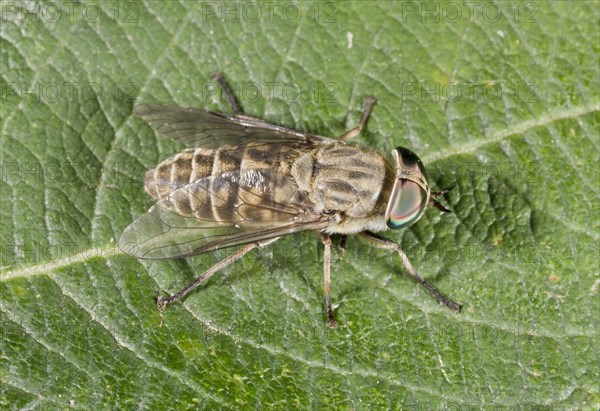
pixel 163 302
pixel 230 97
pixel 384 243
pixel 326 239
pixel 353 132
pixel 237 111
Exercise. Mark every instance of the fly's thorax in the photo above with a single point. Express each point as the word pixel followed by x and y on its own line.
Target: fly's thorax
pixel 343 179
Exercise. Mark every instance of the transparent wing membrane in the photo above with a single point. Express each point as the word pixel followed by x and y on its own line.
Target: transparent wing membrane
pixel 201 128
pixel 217 212
pixel 229 207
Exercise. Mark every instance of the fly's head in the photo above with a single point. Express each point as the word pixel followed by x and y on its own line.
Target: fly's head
pixel 411 194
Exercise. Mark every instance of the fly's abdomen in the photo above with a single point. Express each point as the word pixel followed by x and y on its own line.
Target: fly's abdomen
pixel 178 171
pixel 246 185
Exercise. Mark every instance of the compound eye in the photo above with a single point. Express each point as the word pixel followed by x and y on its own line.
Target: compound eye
pixel 406 205
pixel 409 163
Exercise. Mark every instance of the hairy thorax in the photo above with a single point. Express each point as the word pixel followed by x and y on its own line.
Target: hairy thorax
pixel 352 183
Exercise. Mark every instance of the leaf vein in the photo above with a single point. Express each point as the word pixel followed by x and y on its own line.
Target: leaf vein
pixel 519 128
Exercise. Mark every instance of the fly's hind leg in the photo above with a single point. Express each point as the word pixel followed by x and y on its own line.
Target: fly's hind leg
pixel 163 302
pixel 384 243
pixel 353 132
pixel 326 239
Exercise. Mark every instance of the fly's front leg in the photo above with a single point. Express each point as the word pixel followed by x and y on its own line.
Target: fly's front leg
pixel 163 302
pixel 369 101
pixel 384 243
pixel 326 239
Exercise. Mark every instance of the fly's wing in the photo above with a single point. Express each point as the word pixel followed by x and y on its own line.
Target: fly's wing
pixel 230 208
pixel 220 211
pixel 201 128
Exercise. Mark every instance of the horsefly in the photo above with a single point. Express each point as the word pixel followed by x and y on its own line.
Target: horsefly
pixel 244 181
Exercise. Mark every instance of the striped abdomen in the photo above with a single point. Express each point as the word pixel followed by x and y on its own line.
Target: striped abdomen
pixel 243 184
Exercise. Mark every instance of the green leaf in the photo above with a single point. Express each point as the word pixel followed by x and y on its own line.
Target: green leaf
pixel 502 100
